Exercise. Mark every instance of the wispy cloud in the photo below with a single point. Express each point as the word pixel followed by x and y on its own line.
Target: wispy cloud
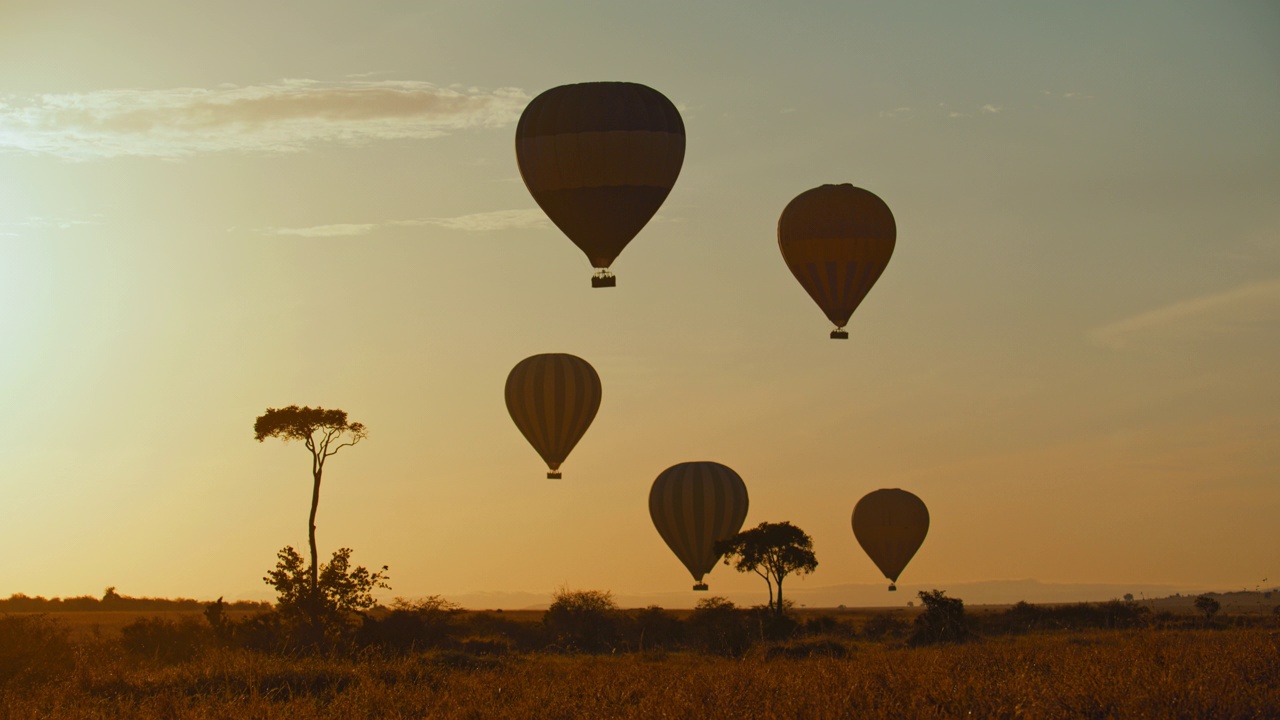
pixel 991 109
pixel 498 220
pixel 1250 306
pixel 36 222
pixel 289 116
pixel 339 230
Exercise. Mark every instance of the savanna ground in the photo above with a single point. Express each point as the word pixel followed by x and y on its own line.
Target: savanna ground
pixel 429 661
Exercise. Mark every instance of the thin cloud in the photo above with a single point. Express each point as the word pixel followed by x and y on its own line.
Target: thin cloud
pixel 1250 306
pixel 338 230
pixel 476 222
pixel 41 223
pixel 992 109
pixel 489 221
pixel 289 116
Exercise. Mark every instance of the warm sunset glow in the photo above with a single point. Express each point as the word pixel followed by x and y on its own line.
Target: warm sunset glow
pixel 1071 357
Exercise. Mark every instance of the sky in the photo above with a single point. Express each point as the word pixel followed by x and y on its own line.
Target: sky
pixel 210 210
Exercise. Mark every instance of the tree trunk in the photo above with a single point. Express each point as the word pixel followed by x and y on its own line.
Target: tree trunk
pixel 778 607
pixel 317 468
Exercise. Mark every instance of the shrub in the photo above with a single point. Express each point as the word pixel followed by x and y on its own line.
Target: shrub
pixel 884 627
pixel 656 628
pixel 718 626
pixel 427 623
pixel 943 620
pixel 34 648
pixel 164 640
pixel 582 620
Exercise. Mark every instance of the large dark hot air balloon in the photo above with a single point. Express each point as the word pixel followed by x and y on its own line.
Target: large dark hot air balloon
pixel 890 526
pixel 693 506
pixel 553 398
pixel 600 158
pixel 837 239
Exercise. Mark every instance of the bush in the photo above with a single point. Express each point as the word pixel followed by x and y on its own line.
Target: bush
pixel 165 640
pixel 718 626
pixel 321 615
pixel 427 623
pixel 33 648
pixel 655 628
pixel 583 620
pixel 884 627
pixel 943 620
pixel 829 626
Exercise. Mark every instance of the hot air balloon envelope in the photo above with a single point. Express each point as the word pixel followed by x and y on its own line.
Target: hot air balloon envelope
pixel 553 398
pixel 600 158
pixel 890 525
pixel 694 505
pixel 837 240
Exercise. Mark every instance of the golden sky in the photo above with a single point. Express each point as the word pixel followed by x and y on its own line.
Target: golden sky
pixel 207 211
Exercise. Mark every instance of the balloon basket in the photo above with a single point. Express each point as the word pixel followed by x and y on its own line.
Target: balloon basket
pixel 839 334
pixel 893 588
pixel 604 279
pixel 700 587
pixel 554 475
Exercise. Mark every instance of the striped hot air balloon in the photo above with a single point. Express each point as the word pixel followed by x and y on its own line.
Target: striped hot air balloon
pixel 693 506
pixel 553 398
pixel 600 159
pixel 890 525
pixel 837 239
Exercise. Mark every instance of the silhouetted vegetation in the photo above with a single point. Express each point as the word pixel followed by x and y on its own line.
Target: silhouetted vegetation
pixel 111 601
pixel 317 601
pixel 328 610
pixel 943 620
pixel 583 621
pixel 772 551
pixel 33 648
pixel 1208 606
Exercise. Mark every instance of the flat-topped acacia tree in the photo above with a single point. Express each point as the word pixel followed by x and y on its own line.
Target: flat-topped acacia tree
pixel 324 432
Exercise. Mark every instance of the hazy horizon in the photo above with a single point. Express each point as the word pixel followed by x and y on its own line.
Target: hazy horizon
pixel 1071 357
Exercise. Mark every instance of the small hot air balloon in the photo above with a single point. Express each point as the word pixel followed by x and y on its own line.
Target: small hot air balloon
pixel 694 505
pixel 600 159
pixel 837 239
pixel 890 526
pixel 553 398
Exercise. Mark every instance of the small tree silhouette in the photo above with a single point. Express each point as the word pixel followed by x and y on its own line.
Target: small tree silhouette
pixel 1208 606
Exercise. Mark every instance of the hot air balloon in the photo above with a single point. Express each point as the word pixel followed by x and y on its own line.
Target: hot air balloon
pixel 553 398
pixel 890 526
pixel 600 158
pixel 693 506
pixel 837 239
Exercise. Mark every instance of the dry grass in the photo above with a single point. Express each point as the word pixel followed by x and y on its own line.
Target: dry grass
pixel 1146 673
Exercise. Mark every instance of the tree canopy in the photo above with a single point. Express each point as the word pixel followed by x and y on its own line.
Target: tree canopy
pixel 772 551
pixel 302 423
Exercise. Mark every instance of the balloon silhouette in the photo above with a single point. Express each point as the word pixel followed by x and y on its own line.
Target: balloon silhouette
pixel 837 239
pixel 693 506
pixel 890 525
pixel 553 398
pixel 600 158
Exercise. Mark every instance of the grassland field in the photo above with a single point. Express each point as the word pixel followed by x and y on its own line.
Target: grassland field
pixel 1184 668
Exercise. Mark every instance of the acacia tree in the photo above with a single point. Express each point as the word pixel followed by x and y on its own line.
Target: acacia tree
pixel 324 433
pixel 772 551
